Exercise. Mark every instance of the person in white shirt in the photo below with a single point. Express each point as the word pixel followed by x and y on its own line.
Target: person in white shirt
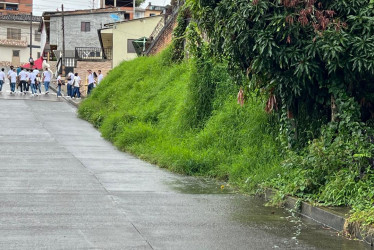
pixel 91 81
pixel 38 82
pixel 59 84
pixel 70 84
pixel 2 79
pixel 77 84
pixel 47 77
pixel 22 78
pixel 28 71
pixel 100 77
pixel 9 72
pixel 13 80
pixel 32 76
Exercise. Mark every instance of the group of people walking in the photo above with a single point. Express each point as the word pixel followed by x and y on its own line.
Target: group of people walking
pixel 25 80
pixel 74 83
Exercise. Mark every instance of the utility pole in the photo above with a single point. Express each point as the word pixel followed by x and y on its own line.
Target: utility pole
pixel 133 4
pixel 30 59
pixel 63 41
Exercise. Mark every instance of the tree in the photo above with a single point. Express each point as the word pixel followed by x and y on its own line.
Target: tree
pixel 306 53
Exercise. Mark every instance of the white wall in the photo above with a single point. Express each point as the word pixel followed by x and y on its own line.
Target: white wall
pixel 6 51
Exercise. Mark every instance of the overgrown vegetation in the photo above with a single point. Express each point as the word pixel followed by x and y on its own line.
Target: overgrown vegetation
pixel 186 119
pixel 314 61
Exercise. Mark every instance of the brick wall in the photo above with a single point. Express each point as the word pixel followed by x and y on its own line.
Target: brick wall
pixel 164 38
pixel 24 6
pixel 83 66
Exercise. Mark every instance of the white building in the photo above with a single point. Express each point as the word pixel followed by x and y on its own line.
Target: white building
pixel 15 39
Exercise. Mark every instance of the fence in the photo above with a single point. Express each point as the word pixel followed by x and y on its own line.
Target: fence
pixel 93 53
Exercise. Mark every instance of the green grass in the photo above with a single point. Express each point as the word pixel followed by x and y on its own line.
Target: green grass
pixel 186 119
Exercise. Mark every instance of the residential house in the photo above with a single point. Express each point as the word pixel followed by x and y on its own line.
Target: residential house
pixel 150 10
pixel 80 30
pixel 119 36
pixel 124 5
pixel 16 44
pixel 14 7
pixel 154 10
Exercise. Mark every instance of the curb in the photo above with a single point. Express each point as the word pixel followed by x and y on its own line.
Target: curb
pixel 325 216
pixel 69 100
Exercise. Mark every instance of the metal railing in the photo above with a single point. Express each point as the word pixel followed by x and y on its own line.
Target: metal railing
pixel 93 53
pixel 70 62
pixel 162 25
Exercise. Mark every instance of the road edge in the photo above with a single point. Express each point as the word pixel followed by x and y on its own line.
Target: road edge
pixel 325 217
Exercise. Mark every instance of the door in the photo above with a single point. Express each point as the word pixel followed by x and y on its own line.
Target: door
pixel 15 58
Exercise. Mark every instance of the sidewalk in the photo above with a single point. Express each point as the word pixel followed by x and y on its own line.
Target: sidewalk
pixel 73 101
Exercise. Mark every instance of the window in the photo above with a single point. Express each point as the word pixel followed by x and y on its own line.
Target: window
pixel 38 55
pixel 11 6
pixel 13 34
pixel 85 26
pixel 130 46
pixel 15 53
pixel 37 36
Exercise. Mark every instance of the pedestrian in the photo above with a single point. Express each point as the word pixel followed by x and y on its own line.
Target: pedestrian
pixel 38 82
pixel 13 80
pixel 59 84
pixel 9 72
pixel 18 70
pixel 2 79
pixel 99 77
pixel 28 71
pixel 32 84
pixel 47 76
pixel 69 86
pixel 77 83
pixel 22 80
pixel 91 82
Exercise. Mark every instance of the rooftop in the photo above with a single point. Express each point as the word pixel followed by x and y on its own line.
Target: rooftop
pixel 20 17
pixel 83 12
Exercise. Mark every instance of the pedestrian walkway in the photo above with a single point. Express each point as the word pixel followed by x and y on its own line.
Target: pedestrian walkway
pixel 62 186
pixel 74 101
pixel 6 94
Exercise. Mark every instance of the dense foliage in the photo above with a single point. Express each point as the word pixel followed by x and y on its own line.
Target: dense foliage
pixel 303 52
pixel 314 61
pixel 154 109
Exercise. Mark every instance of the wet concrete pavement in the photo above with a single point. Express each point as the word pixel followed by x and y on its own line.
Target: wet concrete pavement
pixel 64 187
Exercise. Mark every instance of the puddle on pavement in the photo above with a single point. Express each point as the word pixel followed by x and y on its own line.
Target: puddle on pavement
pixel 251 212
pixel 196 185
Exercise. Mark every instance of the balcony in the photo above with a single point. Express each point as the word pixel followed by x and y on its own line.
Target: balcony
pixel 92 53
pixel 13 43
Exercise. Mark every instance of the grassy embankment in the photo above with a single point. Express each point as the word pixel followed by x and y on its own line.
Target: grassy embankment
pixel 186 119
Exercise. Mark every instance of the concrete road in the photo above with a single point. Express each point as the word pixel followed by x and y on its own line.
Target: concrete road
pixel 64 187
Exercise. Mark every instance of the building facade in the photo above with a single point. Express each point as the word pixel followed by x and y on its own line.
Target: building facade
pixel 80 27
pixel 15 38
pixel 120 36
pixel 13 7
